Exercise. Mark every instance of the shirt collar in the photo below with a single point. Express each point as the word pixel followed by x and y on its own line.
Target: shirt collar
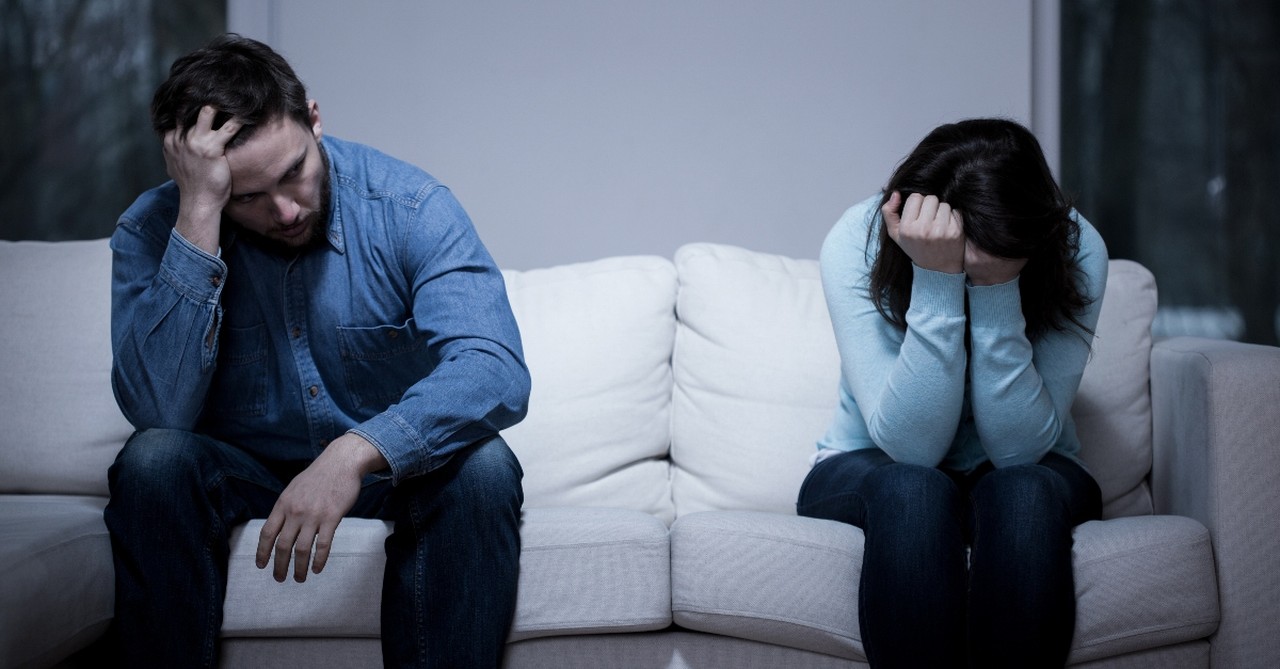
pixel 334 229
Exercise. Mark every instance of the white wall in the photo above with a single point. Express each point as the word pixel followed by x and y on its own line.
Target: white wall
pixel 572 130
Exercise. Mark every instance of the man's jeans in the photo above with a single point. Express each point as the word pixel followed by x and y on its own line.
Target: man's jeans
pixel 921 603
pixel 448 595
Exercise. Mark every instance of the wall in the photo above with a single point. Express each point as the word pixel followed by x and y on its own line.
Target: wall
pixel 572 130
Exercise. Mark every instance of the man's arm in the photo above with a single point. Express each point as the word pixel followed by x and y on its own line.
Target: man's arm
pixel 167 283
pixel 479 384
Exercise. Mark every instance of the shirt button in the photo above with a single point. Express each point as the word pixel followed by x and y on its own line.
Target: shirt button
pixel 296 332
pixel 314 390
pixel 216 281
pixel 393 334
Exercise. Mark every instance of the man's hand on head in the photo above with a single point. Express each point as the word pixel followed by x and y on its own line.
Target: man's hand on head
pixel 196 160
pixel 311 506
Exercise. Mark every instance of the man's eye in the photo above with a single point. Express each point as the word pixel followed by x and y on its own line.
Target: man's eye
pixel 244 199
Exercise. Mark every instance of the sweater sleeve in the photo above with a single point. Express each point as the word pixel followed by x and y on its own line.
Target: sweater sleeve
pixel 908 385
pixel 1021 394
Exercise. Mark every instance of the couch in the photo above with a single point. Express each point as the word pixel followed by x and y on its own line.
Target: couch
pixel 674 407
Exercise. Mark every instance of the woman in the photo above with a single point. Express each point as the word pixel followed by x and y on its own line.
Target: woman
pixel 963 300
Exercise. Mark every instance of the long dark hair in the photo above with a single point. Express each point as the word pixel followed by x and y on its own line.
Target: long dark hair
pixel 238 76
pixel 994 172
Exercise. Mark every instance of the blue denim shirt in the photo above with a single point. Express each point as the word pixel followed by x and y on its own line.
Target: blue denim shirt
pixel 398 328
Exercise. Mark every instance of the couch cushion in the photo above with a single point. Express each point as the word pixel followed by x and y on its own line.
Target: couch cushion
pixel 57 581
pixel 62 426
pixel 756 374
pixel 1113 406
pixel 1141 582
pixel 581 571
pixel 597 339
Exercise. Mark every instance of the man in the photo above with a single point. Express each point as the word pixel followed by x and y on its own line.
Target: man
pixel 306 329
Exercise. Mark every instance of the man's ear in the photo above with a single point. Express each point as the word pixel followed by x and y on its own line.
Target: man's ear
pixel 313 109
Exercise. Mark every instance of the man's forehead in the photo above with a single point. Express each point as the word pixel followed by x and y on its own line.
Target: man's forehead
pixel 270 152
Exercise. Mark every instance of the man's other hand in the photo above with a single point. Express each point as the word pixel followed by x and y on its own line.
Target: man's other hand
pixel 311 506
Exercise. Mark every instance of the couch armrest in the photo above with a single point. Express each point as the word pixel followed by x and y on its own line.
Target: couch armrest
pixel 1216 432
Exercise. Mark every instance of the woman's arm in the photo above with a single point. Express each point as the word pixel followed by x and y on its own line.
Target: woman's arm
pixel 1022 393
pixel 909 386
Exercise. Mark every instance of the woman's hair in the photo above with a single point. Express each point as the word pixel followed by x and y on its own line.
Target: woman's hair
pixel 993 172
pixel 238 76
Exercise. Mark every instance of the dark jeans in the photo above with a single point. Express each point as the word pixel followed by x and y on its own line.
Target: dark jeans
pixel 448 595
pixel 921 604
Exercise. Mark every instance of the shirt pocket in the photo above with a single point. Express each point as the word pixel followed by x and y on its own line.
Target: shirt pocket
pixel 240 383
pixel 381 362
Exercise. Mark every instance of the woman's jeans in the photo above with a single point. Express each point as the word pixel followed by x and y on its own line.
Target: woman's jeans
pixel 921 603
pixel 448 594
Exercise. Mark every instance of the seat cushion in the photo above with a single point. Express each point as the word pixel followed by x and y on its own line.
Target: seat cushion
pixel 57 581
pixel 582 570
pixel 1141 583
pixel 597 339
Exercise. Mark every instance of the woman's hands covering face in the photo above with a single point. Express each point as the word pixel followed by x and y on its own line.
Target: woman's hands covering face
pixel 931 233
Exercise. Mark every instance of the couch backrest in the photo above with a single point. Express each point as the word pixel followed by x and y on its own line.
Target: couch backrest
pixel 59 425
pixel 666 387
pixel 597 338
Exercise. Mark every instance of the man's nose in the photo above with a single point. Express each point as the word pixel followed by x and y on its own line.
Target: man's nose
pixel 284 208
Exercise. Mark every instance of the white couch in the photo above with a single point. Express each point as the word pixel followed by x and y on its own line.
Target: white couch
pixel 674 406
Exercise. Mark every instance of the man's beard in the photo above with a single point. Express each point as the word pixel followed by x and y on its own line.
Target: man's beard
pixel 319 232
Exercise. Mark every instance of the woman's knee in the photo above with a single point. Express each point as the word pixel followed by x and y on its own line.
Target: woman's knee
pixel 1030 491
pixel 901 484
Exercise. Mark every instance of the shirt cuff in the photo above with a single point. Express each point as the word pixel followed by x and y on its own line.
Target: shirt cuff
pixel 192 271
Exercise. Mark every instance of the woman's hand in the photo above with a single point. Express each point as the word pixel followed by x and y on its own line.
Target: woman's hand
pixel 985 269
pixel 928 231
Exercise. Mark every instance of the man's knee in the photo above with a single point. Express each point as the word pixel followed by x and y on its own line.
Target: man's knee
pixel 492 465
pixel 155 456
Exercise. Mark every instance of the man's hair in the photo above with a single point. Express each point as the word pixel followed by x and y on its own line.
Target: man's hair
pixel 994 173
pixel 238 76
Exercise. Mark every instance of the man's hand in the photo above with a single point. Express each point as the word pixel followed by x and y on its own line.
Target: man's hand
pixel 312 505
pixel 196 160
pixel 985 269
pixel 929 231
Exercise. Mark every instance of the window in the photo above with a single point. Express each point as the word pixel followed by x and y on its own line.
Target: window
pixel 1171 146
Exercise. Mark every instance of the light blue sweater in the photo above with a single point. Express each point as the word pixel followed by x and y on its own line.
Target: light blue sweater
pixel 917 394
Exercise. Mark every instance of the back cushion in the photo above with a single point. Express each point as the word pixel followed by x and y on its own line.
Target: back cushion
pixel 597 338
pixel 62 428
pixel 756 373
pixel 1113 406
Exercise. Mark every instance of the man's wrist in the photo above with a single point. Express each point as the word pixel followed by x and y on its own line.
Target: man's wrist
pixel 364 455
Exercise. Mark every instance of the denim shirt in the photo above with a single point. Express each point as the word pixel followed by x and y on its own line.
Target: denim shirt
pixel 396 327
